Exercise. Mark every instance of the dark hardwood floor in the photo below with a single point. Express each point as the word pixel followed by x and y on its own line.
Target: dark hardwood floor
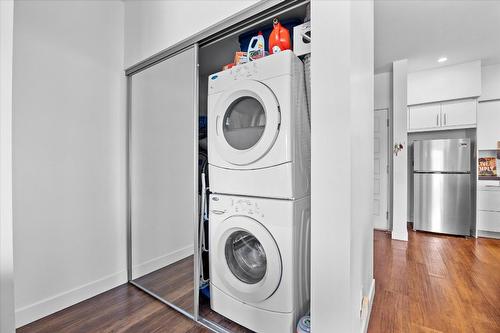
pixel 122 309
pixel 127 309
pixel 433 283
pixel 174 283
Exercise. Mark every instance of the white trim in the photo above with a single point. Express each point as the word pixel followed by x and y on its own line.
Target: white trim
pixel 400 161
pixel 6 224
pixel 161 261
pixel 444 128
pixel 371 297
pixel 403 236
pixel 45 307
pixel 488 234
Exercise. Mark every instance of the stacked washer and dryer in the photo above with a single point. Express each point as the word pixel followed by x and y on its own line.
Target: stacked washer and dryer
pixel 259 170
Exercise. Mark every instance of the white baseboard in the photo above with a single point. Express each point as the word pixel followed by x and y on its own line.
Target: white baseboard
pixel 161 261
pixel 371 296
pixel 45 307
pixel 488 234
pixel 402 236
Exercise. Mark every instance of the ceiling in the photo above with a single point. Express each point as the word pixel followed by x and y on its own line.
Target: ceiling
pixel 423 31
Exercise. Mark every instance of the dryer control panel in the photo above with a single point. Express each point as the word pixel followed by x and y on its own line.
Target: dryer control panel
pixel 244 71
pixel 240 72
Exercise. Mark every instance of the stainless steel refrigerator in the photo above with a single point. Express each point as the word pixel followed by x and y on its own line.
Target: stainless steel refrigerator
pixel 442 186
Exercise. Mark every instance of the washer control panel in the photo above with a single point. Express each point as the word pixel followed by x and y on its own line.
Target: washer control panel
pixel 238 206
pixel 247 207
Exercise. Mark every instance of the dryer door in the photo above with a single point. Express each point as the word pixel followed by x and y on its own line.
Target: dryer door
pixel 249 260
pixel 248 119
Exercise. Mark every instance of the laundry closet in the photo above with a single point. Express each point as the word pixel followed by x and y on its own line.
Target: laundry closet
pixel 231 247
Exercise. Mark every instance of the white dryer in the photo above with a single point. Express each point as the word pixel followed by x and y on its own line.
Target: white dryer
pixel 258 129
pixel 260 261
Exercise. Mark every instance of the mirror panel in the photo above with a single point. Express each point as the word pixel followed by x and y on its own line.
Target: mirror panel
pixel 163 178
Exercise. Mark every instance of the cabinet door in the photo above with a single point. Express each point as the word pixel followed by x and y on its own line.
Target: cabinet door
pixel 424 117
pixel 488 128
pixel 459 113
pixel 488 200
pixel 488 221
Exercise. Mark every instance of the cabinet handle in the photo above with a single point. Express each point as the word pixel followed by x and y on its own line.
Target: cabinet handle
pixel 445 118
pixel 437 120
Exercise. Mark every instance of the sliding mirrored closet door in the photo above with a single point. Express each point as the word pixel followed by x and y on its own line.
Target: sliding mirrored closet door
pixel 163 193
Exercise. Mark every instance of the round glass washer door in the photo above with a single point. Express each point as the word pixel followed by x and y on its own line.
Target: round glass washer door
pixel 245 257
pixel 248 259
pixel 247 122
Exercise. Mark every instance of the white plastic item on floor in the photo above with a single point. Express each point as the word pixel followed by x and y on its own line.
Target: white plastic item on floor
pixel 259 261
pixel 258 129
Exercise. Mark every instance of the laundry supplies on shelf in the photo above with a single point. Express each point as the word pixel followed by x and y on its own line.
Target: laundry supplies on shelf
pixel 279 39
pixel 240 58
pixel 256 48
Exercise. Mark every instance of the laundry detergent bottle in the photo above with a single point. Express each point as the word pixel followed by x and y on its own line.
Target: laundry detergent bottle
pixel 279 39
pixel 256 47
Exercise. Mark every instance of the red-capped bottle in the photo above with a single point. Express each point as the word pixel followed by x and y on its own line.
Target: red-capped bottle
pixel 279 39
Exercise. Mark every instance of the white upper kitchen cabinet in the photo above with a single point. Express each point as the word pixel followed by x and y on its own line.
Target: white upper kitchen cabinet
pixel 424 117
pixel 488 125
pixel 458 113
pixel 442 116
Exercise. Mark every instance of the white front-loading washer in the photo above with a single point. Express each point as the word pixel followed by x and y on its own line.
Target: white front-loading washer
pixel 259 130
pixel 260 261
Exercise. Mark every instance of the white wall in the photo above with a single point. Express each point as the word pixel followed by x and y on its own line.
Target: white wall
pixel 342 112
pixel 69 153
pixel 445 83
pixel 362 144
pixel 6 238
pixel 383 91
pixel 490 78
pixel 400 178
pixel 152 26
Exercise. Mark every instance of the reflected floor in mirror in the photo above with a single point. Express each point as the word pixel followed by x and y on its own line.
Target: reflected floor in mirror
pixel 174 283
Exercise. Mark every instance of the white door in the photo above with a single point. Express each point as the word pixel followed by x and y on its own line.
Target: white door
pixel 459 113
pixel 381 169
pixel 423 117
